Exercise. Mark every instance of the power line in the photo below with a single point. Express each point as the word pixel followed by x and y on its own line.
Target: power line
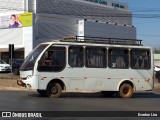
pixel 146 22
pixel 149 35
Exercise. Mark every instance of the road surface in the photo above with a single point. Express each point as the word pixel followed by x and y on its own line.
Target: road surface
pixel 19 100
pixel 31 101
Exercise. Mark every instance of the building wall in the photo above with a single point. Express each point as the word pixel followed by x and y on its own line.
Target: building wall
pixel 11 36
pixel 83 10
pixel 52 27
pixel 55 19
pixel 98 29
pixel 28 40
pixel 20 36
pixel 12 5
pixel 7 35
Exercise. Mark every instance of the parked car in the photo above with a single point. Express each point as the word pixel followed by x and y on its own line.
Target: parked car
pixel 16 66
pixel 4 67
pixel 156 68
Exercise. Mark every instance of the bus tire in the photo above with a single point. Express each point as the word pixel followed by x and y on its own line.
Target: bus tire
pixel 108 93
pixel 42 92
pixel 54 90
pixel 125 91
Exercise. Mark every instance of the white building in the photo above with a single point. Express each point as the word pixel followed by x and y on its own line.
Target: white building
pixel 55 19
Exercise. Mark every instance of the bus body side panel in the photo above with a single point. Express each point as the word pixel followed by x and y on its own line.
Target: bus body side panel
pixel 73 78
pixel 143 79
pixel 111 79
pixel 103 79
pixel 95 78
pixel 98 79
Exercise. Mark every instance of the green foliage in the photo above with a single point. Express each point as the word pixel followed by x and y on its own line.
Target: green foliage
pixel 156 51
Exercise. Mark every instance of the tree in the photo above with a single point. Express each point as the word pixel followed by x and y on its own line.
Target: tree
pixel 156 51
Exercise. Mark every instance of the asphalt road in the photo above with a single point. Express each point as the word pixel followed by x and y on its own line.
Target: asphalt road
pixel 31 101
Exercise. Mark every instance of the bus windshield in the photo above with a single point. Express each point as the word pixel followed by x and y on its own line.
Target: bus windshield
pixel 28 64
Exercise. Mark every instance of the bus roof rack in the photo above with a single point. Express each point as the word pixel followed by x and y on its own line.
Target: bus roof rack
pixel 102 40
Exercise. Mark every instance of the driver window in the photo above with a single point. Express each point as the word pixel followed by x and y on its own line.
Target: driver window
pixel 53 59
pixel 48 58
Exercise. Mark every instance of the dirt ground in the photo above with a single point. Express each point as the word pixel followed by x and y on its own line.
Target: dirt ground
pixel 10 84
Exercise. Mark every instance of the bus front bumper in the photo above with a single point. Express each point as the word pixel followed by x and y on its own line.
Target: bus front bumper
pixel 20 83
pixel 29 82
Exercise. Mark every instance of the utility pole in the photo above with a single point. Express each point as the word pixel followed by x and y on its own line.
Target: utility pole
pixel 11 54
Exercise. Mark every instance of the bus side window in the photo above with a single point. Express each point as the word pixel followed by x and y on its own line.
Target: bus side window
pixel 137 62
pixel 96 57
pixel 120 63
pixel 118 58
pixel 73 60
pixel 75 56
pixel 146 60
pixel 112 60
pixel 140 59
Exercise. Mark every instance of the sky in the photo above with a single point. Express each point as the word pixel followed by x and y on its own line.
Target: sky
pixel 146 19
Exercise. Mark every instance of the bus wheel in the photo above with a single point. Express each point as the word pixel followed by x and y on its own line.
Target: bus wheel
pixel 107 93
pixel 125 91
pixel 42 92
pixel 54 90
